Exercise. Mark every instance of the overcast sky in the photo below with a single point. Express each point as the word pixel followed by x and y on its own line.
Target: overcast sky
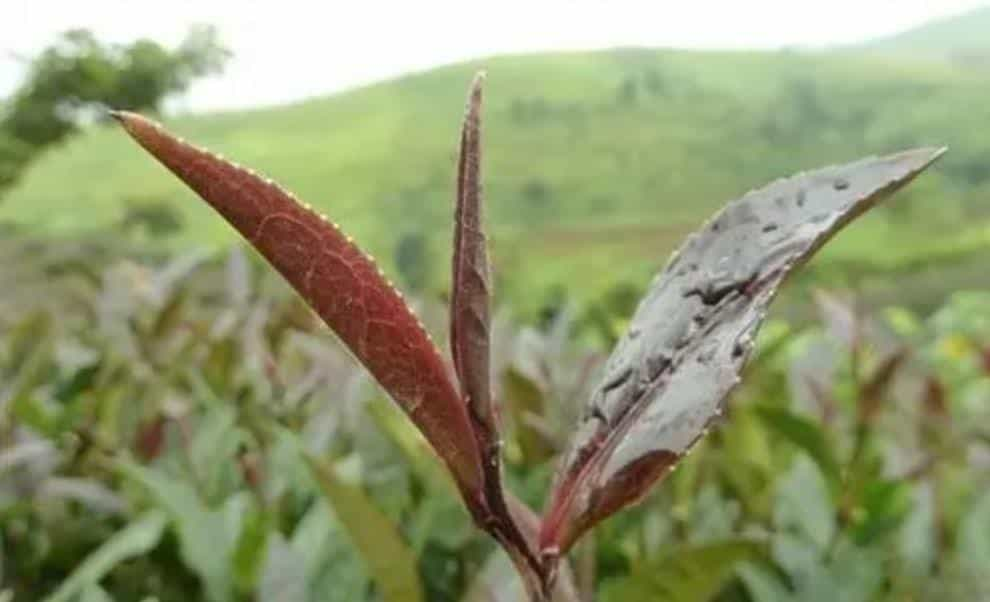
pixel 290 49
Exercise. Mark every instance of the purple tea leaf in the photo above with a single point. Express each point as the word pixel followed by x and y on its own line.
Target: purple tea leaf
pixel 343 285
pixel 669 375
pixel 470 341
pixel 470 334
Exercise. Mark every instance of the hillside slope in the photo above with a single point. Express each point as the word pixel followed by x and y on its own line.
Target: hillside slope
pixel 596 163
pixel 958 35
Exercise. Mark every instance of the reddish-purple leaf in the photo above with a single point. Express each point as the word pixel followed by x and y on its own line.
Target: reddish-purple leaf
pixel 470 340
pixel 150 438
pixel 872 391
pixel 666 380
pixel 469 298
pixel 345 288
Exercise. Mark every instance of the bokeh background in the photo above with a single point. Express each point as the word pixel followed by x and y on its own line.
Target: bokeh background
pixel 159 384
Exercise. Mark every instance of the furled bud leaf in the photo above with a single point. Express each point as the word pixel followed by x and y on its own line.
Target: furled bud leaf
pixel 469 297
pixel 470 343
pixel 666 380
pixel 343 285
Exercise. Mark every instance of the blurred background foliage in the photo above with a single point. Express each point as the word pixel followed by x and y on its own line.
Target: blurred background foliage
pixel 597 163
pixel 158 413
pixel 78 78
pixel 176 425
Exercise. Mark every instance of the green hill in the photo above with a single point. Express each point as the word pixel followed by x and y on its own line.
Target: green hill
pixel 964 37
pixel 596 164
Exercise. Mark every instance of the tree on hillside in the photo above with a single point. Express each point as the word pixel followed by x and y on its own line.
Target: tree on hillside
pixel 78 77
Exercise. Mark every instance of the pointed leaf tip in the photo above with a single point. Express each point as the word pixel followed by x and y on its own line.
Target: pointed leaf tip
pixel 342 284
pixel 478 82
pixel 666 380
pixel 133 123
pixel 470 336
pixel 470 288
pixel 924 156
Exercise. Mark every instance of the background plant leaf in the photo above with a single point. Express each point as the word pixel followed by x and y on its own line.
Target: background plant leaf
pixel 283 578
pixel 135 539
pixel 388 559
pixel 807 436
pixel 205 542
pixel 693 574
pixel 527 404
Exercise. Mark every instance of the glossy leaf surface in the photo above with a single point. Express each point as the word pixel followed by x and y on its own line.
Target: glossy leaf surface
pixel 667 378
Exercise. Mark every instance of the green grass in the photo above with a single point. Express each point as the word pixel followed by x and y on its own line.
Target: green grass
pixel 596 163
